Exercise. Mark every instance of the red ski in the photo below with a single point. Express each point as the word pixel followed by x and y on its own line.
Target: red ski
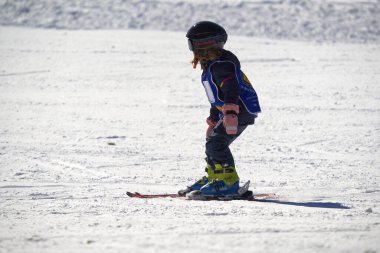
pixel 252 197
pixel 151 196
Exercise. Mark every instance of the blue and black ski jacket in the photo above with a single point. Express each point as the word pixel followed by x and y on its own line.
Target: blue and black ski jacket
pixel 224 82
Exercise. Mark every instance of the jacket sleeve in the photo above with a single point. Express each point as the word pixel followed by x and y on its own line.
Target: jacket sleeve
pixel 224 75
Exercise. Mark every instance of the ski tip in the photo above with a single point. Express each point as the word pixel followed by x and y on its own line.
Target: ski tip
pixel 133 194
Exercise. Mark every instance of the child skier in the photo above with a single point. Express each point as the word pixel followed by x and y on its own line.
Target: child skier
pixel 234 106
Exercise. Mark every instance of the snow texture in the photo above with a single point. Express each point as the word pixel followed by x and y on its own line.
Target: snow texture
pixel 86 115
pixel 315 20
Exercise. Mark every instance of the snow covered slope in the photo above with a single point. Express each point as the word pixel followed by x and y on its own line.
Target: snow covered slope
pixel 315 20
pixel 87 115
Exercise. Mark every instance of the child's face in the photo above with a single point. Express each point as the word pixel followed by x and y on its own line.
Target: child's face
pixel 208 53
pixel 201 52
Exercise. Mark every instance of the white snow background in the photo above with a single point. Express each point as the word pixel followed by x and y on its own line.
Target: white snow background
pixel 105 100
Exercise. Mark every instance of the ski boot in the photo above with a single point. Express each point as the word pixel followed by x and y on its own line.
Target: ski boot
pixel 200 183
pixel 225 182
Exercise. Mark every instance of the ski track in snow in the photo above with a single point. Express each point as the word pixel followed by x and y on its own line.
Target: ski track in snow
pixel 87 115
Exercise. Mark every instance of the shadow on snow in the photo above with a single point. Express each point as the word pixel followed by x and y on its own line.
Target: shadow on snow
pixel 307 204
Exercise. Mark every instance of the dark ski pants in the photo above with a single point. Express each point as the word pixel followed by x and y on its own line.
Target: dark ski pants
pixel 217 144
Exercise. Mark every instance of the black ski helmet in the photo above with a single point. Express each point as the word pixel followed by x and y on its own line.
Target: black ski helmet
pixel 206 34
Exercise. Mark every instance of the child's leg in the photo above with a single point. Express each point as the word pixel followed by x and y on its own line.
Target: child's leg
pixel 225 178
pixel 217 145
pixel 220 162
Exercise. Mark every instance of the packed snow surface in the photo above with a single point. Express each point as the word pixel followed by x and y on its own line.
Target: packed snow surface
pixel 311 20
pixel 87 115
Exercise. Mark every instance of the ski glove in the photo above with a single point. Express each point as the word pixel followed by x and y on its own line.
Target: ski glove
pixel 211 124
pixel 230 118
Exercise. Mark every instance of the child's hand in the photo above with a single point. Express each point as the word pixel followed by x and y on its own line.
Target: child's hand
pixel 211 124
pixel 230 118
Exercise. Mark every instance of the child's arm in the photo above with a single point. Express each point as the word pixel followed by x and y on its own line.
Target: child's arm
pixel 224 75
